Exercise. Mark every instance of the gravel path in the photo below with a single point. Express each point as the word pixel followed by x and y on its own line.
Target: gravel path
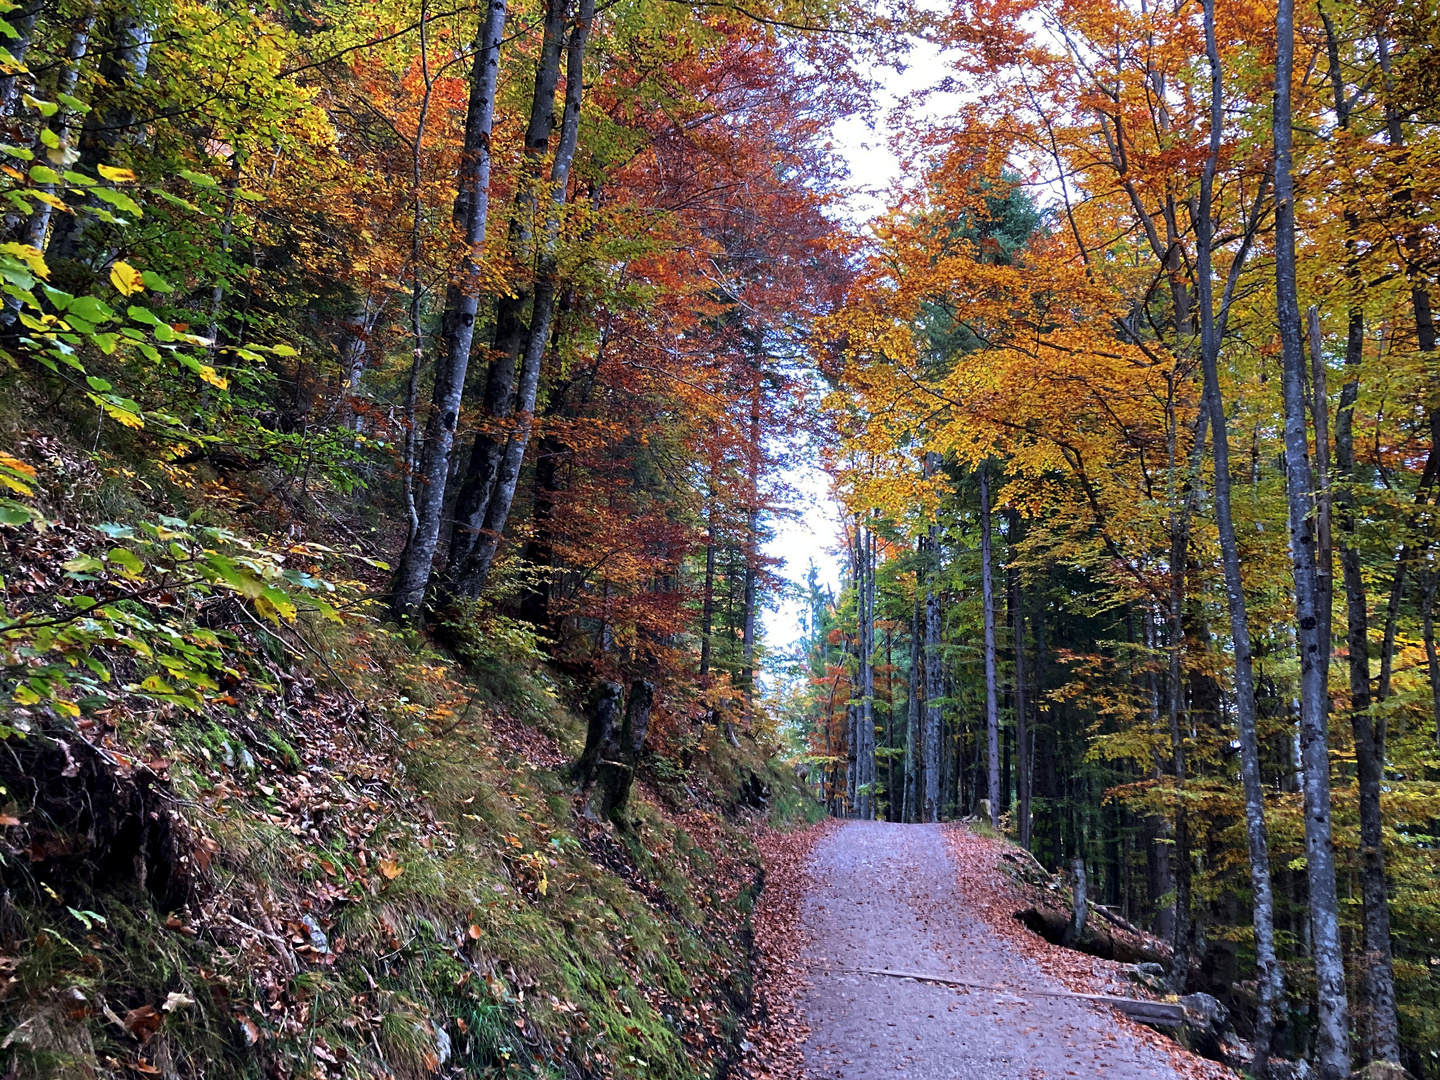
pixel 884 897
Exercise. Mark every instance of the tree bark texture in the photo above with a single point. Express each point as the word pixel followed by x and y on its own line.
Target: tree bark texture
pixel 992 705
pixel 462 301
pixel 1022 719
pixel 1332 1035
pixel 1270 977
pixel 488 450
pixel 468 578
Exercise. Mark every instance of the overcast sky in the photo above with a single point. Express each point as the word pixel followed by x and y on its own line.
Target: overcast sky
pixel 874 168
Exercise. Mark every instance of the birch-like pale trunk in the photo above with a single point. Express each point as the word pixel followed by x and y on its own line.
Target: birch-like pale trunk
pixel 992 703
pixel 23 24
pixel 913 758
pixel 1022 719
pixel 1270 977
pixel 37 228
pixel 487 451
pixel 462 302
pixel 934 681
pixel 468 578
pixel 1332 1050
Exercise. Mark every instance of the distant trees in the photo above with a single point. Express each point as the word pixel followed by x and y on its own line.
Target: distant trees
pixel 1159 379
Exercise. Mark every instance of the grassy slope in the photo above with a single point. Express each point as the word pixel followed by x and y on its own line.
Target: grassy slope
pixel 363 860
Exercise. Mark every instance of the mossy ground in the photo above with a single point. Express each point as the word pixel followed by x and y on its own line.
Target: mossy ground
pixel 378 867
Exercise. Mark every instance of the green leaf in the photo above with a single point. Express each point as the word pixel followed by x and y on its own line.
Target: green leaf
pixel 89 918
pixel 46 108
pixel 184 203
pixel 92 309
pixel 50 139
pixel 43 174
pixel 155 282
pixel 99 385
pixel 82 564
pixel 72 103
pixel 17 514
pixel 117 199
pixel 80 178
pixel 58 297
pixel 128 562
pixel 198 179
pixel 24 153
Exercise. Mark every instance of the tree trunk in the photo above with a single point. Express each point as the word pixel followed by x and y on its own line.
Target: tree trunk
pixel 1332 1049
pixel 707 617
pixel 1079 908
pixel 914 760
pixel 487 451
pixel 992 707
pixel 1432 657
pixel 539 555
pixel 1022 718
pixel 1269 975
pixel 934 682
pixel 38 226
pixel 613 747
pixel 23 25
pixel 466 577
pixel 122 68
pixel 462 301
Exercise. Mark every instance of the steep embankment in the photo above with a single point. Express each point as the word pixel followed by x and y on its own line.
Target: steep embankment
pixel 340 853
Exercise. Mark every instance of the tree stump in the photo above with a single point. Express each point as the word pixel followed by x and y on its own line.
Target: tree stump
pixel 613 745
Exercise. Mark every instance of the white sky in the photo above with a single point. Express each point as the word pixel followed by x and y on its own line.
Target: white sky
pixel 874 168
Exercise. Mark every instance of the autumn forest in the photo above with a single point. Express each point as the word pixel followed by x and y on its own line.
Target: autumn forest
pixel 399 401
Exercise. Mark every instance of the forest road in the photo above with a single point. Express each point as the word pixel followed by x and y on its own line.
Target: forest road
pixel 884 897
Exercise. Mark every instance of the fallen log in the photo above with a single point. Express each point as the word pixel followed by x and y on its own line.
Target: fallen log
pixel 1158 1013
pixel 1095 939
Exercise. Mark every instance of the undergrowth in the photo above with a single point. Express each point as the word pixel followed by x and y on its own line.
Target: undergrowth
pixel 333 850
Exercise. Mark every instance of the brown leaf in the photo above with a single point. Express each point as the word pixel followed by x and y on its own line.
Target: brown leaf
pixel 143 1022
pixel 390 869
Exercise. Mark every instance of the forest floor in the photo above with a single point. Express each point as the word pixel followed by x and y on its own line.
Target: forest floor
pixel 930 899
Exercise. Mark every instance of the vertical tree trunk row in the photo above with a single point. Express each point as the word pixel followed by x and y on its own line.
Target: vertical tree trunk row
pixel 462 302
pixel 1332 1050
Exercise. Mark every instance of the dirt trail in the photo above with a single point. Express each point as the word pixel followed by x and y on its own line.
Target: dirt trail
pixel 885 897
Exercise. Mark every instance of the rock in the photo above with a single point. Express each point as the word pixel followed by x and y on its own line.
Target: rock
pixel 1023 866
pixel 442 1044
pixel 318 941
pixel 1149 975
pixel 1290 1070
pixel 1381 1070
pixel 1207 1025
